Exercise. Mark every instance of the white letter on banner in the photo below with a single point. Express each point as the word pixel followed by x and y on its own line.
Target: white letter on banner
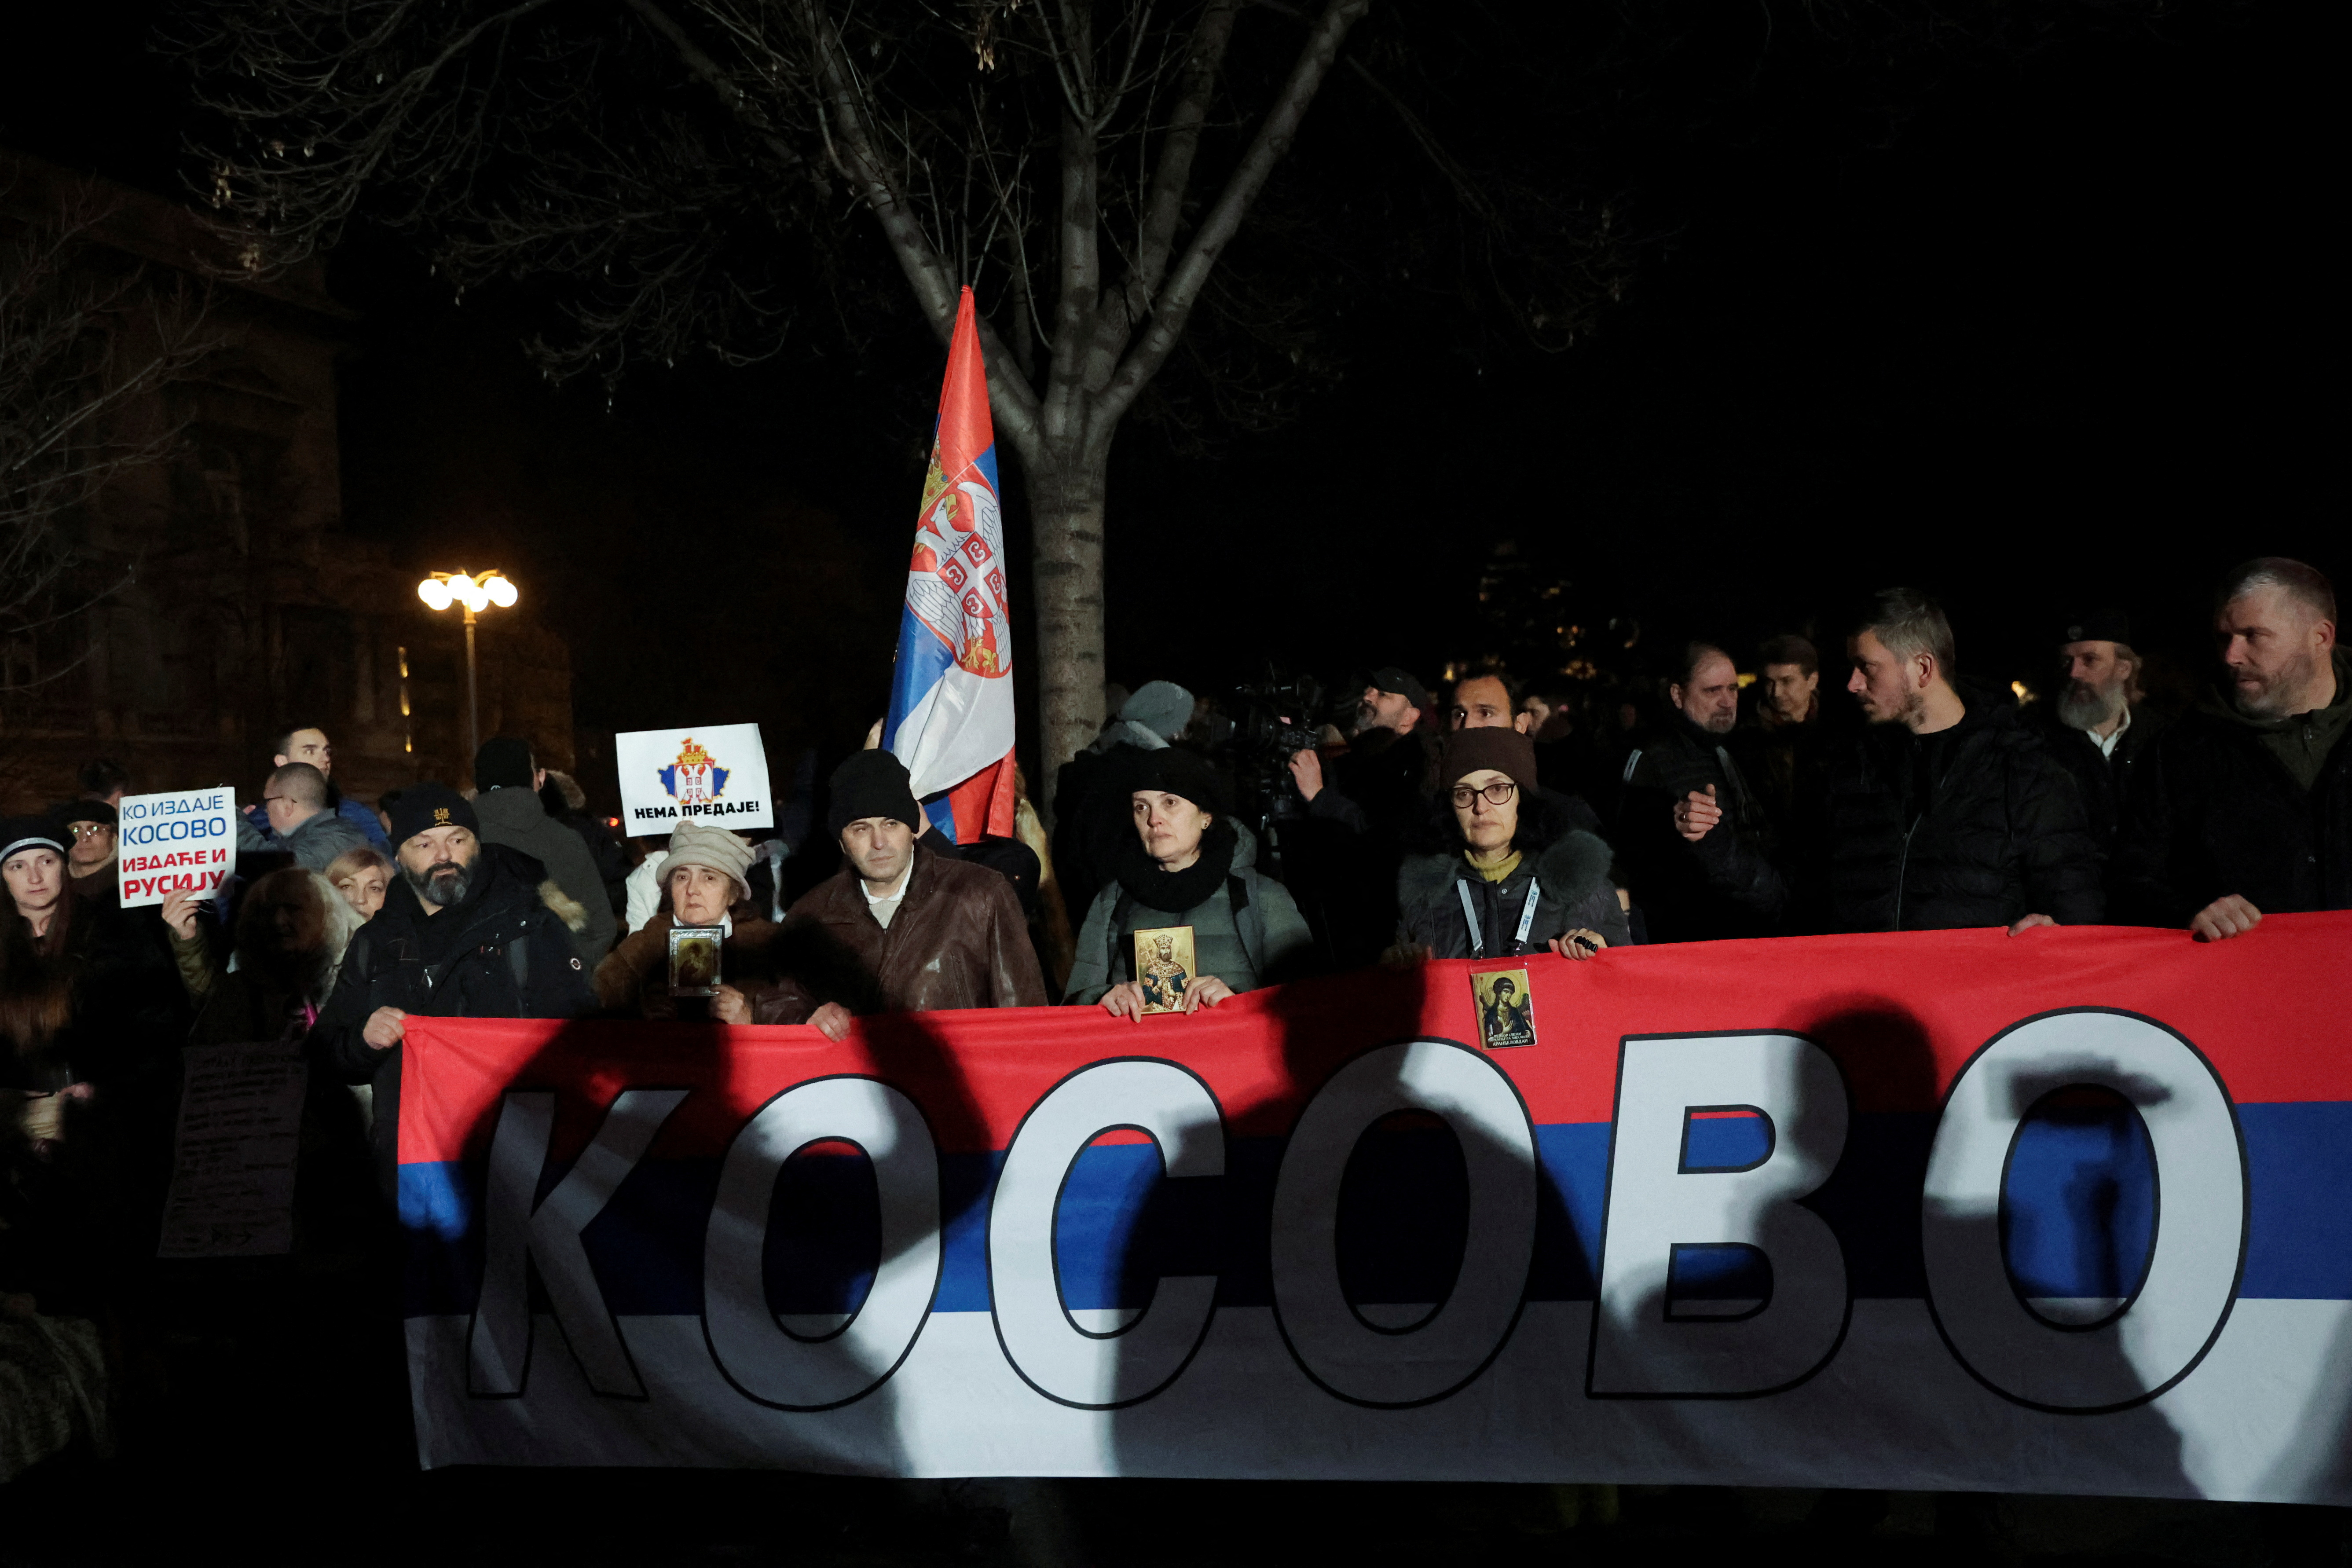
pixel 1066 1362
pixel 1656 1204
pixel 515 1233
pixel 2201 1220
pixel 1341 1352
pixel 765 1361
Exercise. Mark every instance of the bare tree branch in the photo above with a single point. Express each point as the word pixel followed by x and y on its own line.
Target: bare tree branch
pixel 1174 305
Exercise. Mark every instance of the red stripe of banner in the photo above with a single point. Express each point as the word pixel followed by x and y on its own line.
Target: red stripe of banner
pixel 1900 1013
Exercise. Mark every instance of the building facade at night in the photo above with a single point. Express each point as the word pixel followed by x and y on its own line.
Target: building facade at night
pixel 219 599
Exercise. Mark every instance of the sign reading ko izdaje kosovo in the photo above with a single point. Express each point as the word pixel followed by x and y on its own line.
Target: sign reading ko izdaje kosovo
pixel 951 717
pixel 184 842
pixel 715 772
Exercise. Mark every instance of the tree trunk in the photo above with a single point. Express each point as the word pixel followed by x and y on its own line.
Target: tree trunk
pixel 1065 504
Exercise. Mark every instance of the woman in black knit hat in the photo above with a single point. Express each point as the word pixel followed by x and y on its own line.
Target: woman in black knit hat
pixel 1188 864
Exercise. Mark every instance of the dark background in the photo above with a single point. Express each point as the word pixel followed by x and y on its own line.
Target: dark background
pixel 2035 327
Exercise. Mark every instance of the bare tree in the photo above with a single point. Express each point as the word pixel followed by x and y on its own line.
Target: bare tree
pixel 695 167
pixel 87 337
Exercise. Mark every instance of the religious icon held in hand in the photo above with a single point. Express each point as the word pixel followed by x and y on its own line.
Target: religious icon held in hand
pixel 694 960
pixel 1505 1007
pixel 1163 966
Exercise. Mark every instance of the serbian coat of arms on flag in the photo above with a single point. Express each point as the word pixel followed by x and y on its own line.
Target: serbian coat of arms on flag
pixel 951 717
pixel 694 776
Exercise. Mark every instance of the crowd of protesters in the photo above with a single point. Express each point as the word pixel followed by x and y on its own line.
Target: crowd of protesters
pixel 1491 824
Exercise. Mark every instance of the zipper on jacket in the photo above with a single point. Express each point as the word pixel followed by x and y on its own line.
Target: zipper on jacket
pixel 1903 867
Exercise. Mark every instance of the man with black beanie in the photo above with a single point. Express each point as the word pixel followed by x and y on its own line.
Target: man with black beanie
pixel 901 929
pixel 462 934
pixel 506 779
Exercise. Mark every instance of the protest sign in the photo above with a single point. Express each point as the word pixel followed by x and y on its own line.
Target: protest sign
pixel 1868 1211
pixel 184 842
pixel 717 775
pixel 233 1170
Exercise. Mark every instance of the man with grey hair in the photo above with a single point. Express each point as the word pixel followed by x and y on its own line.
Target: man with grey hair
pixel 1947 811
pixel 2245 805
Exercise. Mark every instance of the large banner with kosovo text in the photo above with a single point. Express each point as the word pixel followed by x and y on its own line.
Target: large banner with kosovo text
pixel 2065 1212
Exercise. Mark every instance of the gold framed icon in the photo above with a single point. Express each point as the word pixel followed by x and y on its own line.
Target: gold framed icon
pixel 1505 1005
pixel 1164 966
pixel 694 960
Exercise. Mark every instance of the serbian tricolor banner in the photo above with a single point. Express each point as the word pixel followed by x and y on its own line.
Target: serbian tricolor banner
pixel 951 718
pixel 2065 1212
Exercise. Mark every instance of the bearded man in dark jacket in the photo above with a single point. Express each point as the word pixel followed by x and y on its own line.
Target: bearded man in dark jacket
pixel 1947 812
pixel 2244 805
pixel 462 934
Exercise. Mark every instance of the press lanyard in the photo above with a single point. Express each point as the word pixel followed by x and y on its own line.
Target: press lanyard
pixel 1478 934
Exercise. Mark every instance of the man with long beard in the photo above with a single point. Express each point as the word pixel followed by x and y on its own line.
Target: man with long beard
pixel 462 934
pixel 2244 807
pixel 2096 726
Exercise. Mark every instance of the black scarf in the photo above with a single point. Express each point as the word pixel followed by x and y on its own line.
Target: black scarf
pixel 1176 892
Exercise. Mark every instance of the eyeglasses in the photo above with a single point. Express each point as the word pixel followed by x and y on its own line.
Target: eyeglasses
pixel 1499 793
pixel 88 829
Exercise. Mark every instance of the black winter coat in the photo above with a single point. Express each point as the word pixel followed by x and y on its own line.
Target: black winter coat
pixel 1726 884
pixel 1092 819
pixel 1570 880
pixel 2213 812
pixel 1342 860
pixel 506 956
pixel 1997 834
pixel 2104 783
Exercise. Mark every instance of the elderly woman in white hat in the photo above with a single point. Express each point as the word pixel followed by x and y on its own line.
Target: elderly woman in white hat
pixel 703 882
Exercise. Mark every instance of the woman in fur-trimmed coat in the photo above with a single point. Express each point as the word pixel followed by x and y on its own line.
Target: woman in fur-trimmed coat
pixel 1507 886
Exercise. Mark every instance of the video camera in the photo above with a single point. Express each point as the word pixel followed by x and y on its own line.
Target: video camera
pixel 1274 720
pixel 1275 717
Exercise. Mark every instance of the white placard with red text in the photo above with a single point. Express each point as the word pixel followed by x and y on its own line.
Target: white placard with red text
pixel 178 843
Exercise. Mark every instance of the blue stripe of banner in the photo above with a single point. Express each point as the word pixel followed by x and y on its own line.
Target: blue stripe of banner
pixel 2081 1211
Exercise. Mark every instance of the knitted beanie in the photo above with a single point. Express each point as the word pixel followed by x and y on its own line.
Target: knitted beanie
pixel 20 833
pixel 503 762
pixel 873 784
pixel 693 843
pixel 1507 751
pixel 1161 707
pixel 1183 774
pixel 422 807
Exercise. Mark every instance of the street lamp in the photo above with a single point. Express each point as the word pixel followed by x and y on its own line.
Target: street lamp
pixel 476 593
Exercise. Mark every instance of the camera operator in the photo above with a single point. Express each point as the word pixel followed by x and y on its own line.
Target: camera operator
pixel 1373 806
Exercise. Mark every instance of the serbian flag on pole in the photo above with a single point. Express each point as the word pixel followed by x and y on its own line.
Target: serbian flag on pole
pixel 951 694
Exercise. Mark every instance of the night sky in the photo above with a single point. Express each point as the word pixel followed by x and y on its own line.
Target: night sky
pixel 2033 328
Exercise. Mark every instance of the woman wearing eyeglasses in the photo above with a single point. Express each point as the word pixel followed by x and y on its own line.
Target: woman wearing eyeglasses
pixel 1506 886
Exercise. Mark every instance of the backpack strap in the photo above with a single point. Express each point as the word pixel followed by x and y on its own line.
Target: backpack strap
pixel 1121 952
pixel 1249 923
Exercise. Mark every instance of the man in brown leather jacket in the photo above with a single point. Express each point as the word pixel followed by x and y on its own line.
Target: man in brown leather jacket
pixel 900 929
